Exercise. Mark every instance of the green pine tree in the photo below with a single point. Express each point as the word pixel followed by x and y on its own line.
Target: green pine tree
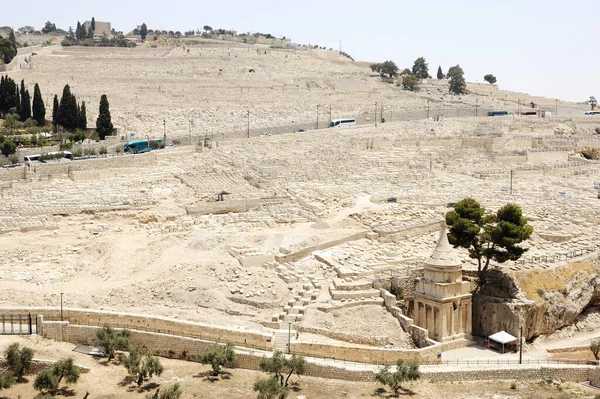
pixel 55 112
pixel 39 110
pixel 25 110
pixel 104 125
pixel 440 74
pixel 93 24
pixel 67 117
pixel 82 117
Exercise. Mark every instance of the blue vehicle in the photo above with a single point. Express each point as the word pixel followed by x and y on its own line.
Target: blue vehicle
pixel 141 146
pixel 498 113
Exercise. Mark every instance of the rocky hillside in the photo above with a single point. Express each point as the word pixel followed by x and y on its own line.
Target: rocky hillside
pixel 542 302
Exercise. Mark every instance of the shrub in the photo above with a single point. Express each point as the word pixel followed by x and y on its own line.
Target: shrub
pixel 66 146
pixel 102 151
pixel 513 385
pixel 112 340
pixel 19 360
pixel 540 292
pixel 217 356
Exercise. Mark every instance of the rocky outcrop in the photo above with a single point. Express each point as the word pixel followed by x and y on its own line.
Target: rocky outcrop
pixel 558 309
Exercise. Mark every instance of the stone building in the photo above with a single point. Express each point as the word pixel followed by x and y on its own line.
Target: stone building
pixel 442 303
pixel 102 28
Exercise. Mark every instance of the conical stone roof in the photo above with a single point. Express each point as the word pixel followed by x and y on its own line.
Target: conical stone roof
pixel 444 254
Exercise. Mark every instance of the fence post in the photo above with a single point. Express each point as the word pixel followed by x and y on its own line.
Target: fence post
pixel 30 326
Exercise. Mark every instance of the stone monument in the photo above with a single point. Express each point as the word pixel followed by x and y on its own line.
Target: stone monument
pixel 442 303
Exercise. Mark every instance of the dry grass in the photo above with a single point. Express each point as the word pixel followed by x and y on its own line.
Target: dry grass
pixel 537 282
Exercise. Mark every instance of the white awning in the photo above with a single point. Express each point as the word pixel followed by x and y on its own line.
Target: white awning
pixel 502 337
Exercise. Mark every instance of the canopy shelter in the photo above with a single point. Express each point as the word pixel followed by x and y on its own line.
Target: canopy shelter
pixel 503 338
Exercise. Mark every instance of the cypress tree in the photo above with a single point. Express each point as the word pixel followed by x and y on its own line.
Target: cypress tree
pixel 440 74
pixel 55 112
pixel 78 34
pixel 39 110
pixel 18 106
pixel 11 37
pixel 25 110
pixel 104 125
pixel 2 95
pixel 82 117
pixel 67 116
pixel 93 24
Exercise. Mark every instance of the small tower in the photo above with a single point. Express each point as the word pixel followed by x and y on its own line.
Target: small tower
pixel 442 303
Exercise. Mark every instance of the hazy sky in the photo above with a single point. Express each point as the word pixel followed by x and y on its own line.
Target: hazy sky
pixel 549 48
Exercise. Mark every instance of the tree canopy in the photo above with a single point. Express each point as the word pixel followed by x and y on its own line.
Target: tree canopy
pixel 141 364
pixel 457 80
pixel 8 50
pixel 280 365
pixel 410 82
pixel 491 79
pixel 18 359
pixel 9 96
pixel 385 68
pixel 39 110
pixel 49 380
pixel 143 31
pixel 595 348
pixel 440 74
pixel 110 339
pixel 217 356
pixel 104 125
pixel 404 372
pixel 593 102
pixel 420 68
pixel 488 236
pixel 49 27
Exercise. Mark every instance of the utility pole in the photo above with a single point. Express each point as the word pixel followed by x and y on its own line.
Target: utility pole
pixel 248 130
pixel 511 181
pixel 375 113
pixel 521 347
pixel 289 337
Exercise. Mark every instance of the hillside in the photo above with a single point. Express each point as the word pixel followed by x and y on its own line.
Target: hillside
pixel 216 84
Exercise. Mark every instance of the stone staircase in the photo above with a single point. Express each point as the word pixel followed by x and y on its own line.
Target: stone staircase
pixel 294 311
pixel 281 339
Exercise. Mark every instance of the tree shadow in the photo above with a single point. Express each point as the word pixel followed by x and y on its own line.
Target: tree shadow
pixel 66 391
pixel 148 387
pixel 382 392
pixel 127 380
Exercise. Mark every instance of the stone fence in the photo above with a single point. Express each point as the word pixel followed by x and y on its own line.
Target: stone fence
pixel 38 365
pixel 513 373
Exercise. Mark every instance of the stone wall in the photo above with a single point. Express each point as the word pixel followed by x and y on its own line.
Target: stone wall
pixel 96 319
pixel 365 354
pixel 38 365
pixel 594 376
pixel 516 373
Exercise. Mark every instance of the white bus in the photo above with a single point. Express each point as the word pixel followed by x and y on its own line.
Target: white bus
pixel 36 157
pixel 592 113
pixel 342 123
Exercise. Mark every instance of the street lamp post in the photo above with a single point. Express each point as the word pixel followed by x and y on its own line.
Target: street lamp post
pixel 317 118
pixel 61 306
pixel 289 337
pixel 521 347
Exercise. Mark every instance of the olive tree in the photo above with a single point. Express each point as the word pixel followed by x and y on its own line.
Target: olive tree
pixel 141 364
pixel 19 360
pixel 112 340
pixel 217 356
pixel 404 372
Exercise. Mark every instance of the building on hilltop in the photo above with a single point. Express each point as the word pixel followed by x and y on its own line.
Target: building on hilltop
pixel 102 28
pixel 442 303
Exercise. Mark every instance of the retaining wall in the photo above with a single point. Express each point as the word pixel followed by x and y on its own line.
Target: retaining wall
pixel 517 373
pixel 95 319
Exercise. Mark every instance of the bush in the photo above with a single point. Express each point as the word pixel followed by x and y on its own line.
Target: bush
pixel 112 340
pixel 540 292
pixel 19 360
pixel 217 356
pixel 30 123
pixel 89 151
pixel 513 385
pixel 66 146
pixel 102 151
